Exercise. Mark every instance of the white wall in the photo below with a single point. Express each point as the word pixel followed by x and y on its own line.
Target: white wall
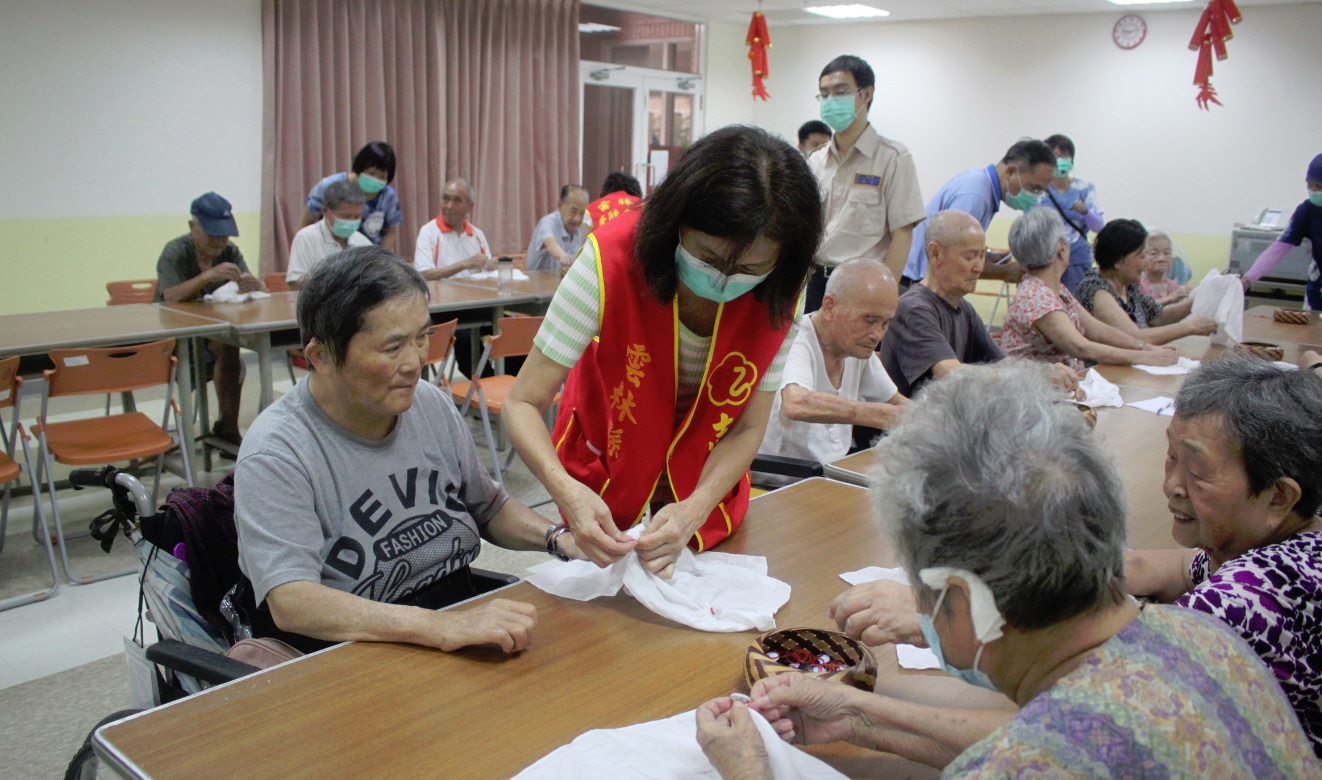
pixel 129 107
pixel 958 93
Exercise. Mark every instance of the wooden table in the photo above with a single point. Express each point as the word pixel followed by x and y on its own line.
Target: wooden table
pixel 253 323
pixel 1259 326
pixel 107 326
pixel 541 284
pixel 1134 438
pixel 374 710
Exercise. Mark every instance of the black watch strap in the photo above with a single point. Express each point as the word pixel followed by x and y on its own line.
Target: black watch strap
pixel 553 534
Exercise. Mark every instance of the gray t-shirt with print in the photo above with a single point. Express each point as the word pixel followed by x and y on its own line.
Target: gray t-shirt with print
pixel 380 519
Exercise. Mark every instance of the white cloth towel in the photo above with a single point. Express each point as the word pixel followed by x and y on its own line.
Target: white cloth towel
pixel 1099 392
pixel 1221 297
pixel 1184 366
pixel 910 656
pixel 710 592
pixel 1160 405
pixel 664 749
pixel 229 293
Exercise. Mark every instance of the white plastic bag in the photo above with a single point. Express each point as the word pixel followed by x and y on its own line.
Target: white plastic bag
pixel 1221 297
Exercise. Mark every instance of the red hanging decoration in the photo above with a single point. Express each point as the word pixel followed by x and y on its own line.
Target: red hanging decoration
pixel 758 41
pixel 1210 36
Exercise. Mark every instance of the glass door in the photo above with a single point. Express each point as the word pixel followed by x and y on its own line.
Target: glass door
pixel 654 115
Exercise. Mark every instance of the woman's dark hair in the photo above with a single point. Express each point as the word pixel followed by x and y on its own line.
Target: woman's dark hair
pixel 377 154
pixel 621 182
pixel 737 183
pixel 1061 142
pixel 335 298
pixel 1118 239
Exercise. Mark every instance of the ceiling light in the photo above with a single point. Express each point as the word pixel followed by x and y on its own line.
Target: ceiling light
pixel 1147 2
pixel 594 27
pixel 846 11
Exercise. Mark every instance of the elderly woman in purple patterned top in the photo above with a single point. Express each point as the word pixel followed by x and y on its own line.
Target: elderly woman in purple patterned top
pixel 1244 483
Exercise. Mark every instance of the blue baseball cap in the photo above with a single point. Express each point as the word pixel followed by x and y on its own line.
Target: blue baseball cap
pixel 213 213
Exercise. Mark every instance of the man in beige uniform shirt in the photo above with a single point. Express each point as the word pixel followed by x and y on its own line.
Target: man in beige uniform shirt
pixel 869 183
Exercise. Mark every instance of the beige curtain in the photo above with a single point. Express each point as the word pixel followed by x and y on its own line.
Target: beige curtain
pixel 486 90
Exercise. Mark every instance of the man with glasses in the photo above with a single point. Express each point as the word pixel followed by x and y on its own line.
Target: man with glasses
pixel 869 183
pixel 1018 180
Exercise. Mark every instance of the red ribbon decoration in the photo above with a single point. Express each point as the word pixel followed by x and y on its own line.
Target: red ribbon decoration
pixel 758 41
pixel 1210 36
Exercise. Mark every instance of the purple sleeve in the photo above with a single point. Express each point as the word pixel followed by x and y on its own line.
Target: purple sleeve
pixel 1268 260
pixel 1093 221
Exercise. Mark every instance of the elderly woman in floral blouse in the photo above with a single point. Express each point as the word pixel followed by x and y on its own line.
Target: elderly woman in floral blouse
pixel 1244 482
pixel 1045 322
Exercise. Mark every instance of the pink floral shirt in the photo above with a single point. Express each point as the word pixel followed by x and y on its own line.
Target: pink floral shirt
pixel 1168 287
pixel 1033 301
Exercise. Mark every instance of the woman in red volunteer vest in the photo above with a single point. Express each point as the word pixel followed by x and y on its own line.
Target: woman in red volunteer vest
pixel 665 333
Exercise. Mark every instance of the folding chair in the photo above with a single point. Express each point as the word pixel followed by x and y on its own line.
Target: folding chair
pixel 276 283
pixel 10 471
pixel 513 339
pixel 440 343
pixel 132 291
pixel 113 438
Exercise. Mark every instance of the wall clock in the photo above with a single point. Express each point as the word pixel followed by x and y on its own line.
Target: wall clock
pixel 1129 31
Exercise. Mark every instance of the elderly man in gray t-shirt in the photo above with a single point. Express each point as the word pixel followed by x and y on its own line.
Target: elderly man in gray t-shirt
pixel 360 500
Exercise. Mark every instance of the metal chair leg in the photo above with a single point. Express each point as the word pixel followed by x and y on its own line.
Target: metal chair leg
pixel 39 518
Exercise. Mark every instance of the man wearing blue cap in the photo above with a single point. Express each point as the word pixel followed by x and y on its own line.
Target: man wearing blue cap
pixel 196 264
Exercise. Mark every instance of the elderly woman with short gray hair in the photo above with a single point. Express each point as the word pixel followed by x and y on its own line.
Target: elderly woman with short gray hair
pixel 1244 483
pixel 1045 323
pixel 1010 522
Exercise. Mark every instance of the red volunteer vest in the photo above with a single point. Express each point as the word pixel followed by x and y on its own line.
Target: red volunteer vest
pixel 615 431
pixel 610 206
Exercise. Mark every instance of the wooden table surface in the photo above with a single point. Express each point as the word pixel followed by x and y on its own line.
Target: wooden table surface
pixel 32 334
pixel 1259 326
pixel 374 710
pixel 1136 440
pixel 541 284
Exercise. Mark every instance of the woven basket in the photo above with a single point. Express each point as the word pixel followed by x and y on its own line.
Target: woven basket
pixel 771 653
pixel 1291 316
pixel 1261 349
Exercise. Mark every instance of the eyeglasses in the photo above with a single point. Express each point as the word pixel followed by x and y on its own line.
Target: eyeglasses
pixel 841 91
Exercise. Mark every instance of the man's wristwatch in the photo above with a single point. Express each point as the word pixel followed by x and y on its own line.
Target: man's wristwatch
pixel 553 534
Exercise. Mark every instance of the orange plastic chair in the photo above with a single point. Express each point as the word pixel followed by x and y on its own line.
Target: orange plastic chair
pixel 513 339
pixel 113 438
pixel 440 341
pixel 276 283
pixel 132 291
pixel 10 471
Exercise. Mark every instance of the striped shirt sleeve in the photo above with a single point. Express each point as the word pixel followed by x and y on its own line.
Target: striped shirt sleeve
pixel 572 320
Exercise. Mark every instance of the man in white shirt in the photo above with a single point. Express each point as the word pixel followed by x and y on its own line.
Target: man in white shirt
pixel 833 378
pixel 449 245
pixel 341 215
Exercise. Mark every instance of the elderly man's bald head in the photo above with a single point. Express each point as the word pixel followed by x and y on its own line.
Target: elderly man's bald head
pixel 951 227
pixel 858 277
pixel 861 298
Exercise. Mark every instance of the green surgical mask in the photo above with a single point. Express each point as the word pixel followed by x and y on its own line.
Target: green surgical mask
pixel 710 283
pixel 370 184
pixel 838 112
pixel 1023 201
pixel 343 228
pixel 1063 166
pixel 1315 198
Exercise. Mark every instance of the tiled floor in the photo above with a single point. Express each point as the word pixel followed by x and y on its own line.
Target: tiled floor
pixel 81 624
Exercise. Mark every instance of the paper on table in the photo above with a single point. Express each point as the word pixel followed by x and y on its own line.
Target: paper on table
pixel 910 656
pixel 1184 366
pixel 1161 405
pixel 519 276
pixel 663 749
pixel 229 293
pixel 1099 392
pixel 710 592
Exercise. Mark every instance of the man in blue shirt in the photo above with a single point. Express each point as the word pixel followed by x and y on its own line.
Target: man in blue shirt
pixel 1018 180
